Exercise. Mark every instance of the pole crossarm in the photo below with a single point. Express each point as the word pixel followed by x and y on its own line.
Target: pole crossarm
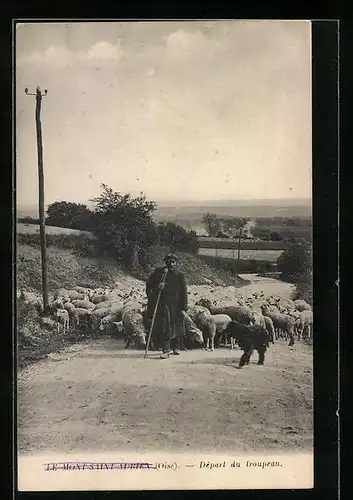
pixel 38 91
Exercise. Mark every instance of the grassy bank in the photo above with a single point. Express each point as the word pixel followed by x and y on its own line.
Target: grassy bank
pixel 65 269
pixel 71 262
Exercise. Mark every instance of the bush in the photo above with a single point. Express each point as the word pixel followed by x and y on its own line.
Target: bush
pixel 28 328
pixel 70 215
pixel 28 220
pixel 124 227
pixel 177 238
pixel 37 336
pixel 304 291
pixel 295 264
pixel 274 236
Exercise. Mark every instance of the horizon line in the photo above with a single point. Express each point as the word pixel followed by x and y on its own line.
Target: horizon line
pixel 176 200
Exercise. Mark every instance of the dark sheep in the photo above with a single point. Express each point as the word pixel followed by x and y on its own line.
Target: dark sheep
pixel 249 338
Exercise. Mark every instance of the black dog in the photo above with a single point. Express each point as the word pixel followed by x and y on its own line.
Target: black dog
pixel 249 338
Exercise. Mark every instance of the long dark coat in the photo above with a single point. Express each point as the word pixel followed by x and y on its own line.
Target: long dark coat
pixel 169 322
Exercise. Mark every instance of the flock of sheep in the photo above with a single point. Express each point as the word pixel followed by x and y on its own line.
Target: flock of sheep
pixel 206 323
pixel 95 311
pixel 280 318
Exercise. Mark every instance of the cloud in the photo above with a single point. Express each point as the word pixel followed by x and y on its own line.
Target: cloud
pixel 182 44
pixel 106 51
pixel 182 40
pixel 60 56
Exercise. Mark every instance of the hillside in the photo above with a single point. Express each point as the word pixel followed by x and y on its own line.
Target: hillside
pixel 23 228
pixel 67 269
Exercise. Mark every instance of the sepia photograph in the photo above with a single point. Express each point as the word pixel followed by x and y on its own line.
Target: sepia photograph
pixel 164 324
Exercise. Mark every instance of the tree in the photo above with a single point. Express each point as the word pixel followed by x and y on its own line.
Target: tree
pixel 274 236
pixel 124 226
pixel 70 215
pixel 212 223
pixel 177 237
pixel 295 264
pixel 232 225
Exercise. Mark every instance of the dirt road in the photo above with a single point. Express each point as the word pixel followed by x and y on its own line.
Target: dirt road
pixel 270 286
pixel 97 396
pixel 101 397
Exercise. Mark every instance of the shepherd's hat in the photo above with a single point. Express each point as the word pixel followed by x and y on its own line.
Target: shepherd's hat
pixel 170 256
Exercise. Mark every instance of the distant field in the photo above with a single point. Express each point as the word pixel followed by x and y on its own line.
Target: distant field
pixel 267 255
pixel 191 213
pixel 34 228
pixel 195 213
pixel 220 243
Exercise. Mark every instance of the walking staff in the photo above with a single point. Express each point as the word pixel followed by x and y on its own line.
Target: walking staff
pixel 164 275
pixel 165 310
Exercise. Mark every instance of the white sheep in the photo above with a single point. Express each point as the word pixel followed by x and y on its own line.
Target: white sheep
pixel 305 324
pixel 82 317
pixel 73 294
pixel 107 322
pixel 70 308
pixel 83 304
pixel 61 292
pixel 62 318
pixel 134 329
pixel 83 296
pixel 243 314
pixel 301 305
pixel 82 289
pixel 96 316
pixel 192 332
pixel 202 317
pixel 104 305
pixel 56 304
pixel 117 308
pixel 270 328
pixel 258 318
pixel 281 321
pixel 97 298
pixel 221 321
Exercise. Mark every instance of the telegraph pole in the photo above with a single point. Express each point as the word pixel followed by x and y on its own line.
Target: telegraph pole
pixel 240 231
pixel 234 266
pixel 43 244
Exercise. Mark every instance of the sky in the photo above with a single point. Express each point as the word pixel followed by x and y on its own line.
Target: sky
pixel 206 110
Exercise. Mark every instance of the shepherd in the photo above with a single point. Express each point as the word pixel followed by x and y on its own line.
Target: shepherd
pixel 169 323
